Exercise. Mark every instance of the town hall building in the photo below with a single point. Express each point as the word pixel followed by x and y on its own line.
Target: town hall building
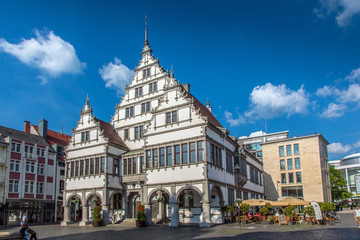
pixel 163 148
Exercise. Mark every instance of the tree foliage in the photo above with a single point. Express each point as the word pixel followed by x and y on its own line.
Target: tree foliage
pixel 338 185
pixel 326 206
pixel 244 208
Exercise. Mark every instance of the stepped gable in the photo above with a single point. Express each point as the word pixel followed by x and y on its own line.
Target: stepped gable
pixel 110 133
pixel 204 111
pixel 55 137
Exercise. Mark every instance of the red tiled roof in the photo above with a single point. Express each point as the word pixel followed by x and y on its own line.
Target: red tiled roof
pixel 204 111
pixel 110 133
pixel 55 137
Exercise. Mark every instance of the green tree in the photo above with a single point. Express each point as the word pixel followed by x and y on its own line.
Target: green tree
pixel 338 185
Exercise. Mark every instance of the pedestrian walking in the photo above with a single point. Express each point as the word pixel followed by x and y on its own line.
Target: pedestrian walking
pixel 24 220
pixel 357 216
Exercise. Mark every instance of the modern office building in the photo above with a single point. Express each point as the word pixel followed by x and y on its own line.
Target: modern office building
pixel 297 167
pixel 350 170
pixel 253 143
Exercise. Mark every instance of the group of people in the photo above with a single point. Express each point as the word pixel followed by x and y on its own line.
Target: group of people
pixel 25 231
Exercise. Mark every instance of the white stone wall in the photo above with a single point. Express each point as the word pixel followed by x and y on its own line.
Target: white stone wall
pixel 88 182
pixel 185 173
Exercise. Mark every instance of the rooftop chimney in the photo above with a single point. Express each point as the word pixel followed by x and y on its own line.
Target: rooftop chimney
pixel 27 126
pixel 43 128
pixel 186 87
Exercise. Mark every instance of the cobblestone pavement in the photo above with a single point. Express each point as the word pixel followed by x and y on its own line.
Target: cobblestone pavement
pixel 346 229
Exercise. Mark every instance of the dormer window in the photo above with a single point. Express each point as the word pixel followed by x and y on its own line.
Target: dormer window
pixel 146 73
pixel 15 147
pixel 85 136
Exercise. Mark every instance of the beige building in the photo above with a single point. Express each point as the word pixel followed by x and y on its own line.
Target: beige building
pixel 297 167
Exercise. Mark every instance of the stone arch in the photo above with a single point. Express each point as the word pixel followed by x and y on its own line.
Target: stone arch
pixel 149 197
pixel 87 198
pixel 74 208
pixel 71 196
pixel 189 188
pixel 217 189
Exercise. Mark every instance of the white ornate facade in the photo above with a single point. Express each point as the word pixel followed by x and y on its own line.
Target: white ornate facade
pixel 171 154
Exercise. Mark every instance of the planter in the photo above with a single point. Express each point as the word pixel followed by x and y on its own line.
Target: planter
pixel 97 224
pixel 141 223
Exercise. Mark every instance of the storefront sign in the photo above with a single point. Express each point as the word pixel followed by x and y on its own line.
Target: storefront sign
pixel 317 209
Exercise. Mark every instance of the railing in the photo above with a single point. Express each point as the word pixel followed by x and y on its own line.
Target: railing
pixel 2 160
pixel 2 179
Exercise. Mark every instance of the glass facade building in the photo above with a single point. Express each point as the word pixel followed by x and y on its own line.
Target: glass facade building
pixel 350 168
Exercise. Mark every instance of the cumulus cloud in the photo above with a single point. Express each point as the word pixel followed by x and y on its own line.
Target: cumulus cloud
pixel 326 91
pixel 357 145
pixel 344 10
pixel 338 148
pixel 47 52
pixel 334 110
pixel 350 95
pixel 116 75
pixel 269 101
pixel 234 121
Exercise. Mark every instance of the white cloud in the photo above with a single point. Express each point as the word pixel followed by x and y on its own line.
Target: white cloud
pixel 344 10
pixel 47 52
pixel 350 95
pixel 269 101
pixel 357 145
pixel 326 91
pixel 116 75
pixel 338 148
pixel 354 75
pixel 334 110
pixel 234 121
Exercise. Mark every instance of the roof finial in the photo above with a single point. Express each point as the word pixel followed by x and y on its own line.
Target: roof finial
pixel 146 50
pixel 146 30
pixel 62 129
pixel 172 72
pixel 208 105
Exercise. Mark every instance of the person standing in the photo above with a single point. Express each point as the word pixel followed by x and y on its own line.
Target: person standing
pixel 357 216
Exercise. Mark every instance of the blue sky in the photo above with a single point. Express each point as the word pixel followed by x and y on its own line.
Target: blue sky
pixel 290 63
